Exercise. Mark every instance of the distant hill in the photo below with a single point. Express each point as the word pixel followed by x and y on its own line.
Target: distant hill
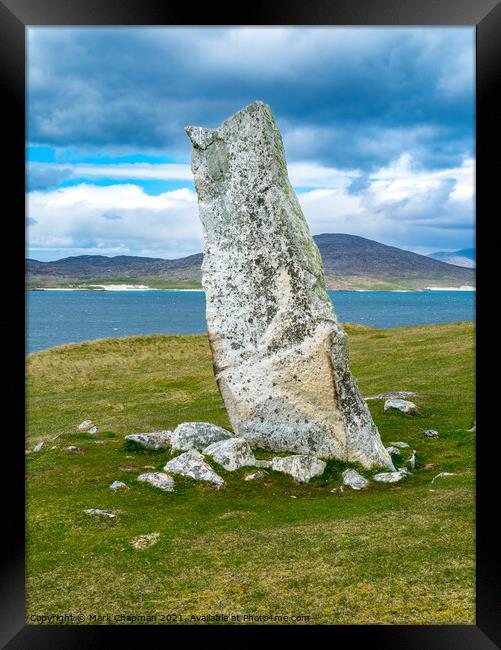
pixel 465 257
pixel 350 262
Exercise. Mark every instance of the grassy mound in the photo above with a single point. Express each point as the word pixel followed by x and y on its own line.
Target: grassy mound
pixel 401 553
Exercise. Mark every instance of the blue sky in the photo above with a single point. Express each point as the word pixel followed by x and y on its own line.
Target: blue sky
pixel 378 128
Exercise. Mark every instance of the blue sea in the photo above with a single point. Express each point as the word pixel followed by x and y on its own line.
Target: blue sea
pixel 58 317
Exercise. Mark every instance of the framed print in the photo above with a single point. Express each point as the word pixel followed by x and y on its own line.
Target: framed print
pixel 250 386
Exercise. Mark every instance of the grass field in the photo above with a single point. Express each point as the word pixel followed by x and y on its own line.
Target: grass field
pixel 401 553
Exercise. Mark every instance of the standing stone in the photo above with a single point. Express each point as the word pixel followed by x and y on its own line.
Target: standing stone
pixel 280 357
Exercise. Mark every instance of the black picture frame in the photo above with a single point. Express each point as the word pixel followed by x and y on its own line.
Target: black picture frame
pixel 15 16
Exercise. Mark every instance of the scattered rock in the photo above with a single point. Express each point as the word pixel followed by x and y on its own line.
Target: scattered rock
pixel 231 454
pixel 301 468
pixel 38 446
pixel 73 448
pixel 92 430
pixel 412 460
pixel 474 427
pixel 400 445
pixel 197 435
pixel 86 424
pixel 262 463
pixel 430 433
pixel 154 440
pixel 442 475
pixel 293 496
pixel 148 467
pixel 393 451
pixel 397 394
pixel 144 541
pixel 334 490
pixel 100 442
pixel 236 514
pixel 251 477
pixel 118 485
pixel 102 513
pixel 193 465
pixel 26 452
pixel 391 477
pixel 279 354
pixel 353 479
pixel 402 405
pixel 53 447
pixel 159 480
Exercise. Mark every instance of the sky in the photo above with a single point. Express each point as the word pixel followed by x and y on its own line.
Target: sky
pixel 378 127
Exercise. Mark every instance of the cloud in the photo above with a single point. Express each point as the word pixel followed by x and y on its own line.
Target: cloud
pixel 400 204
pixel 346 97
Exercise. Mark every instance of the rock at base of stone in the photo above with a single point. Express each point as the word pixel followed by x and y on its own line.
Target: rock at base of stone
pixel 262 463
pixel 391 477
pixel 400 445
pixel 301 468
pixel 197 435
pixel 231 454
pixel 396 394
pixel 158 480
pixel 118 485
pixel 86 424
pixel 101 513
pixel 442 475
pixel 251 477
pixel 430 433
pixel 393 451
pixel 155 440
pixel 193 465
pixel 353 479
pixel 402 405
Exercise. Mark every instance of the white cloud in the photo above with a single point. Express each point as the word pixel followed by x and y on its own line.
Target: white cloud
pixel 399 205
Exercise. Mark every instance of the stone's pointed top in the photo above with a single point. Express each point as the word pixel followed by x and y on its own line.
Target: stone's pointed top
pixel 200 137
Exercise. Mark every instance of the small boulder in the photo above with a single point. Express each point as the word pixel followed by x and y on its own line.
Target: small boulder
pixel 391 477
pixel 231 454
pixel 101 513
pixel 395 394
pixel 262 463
pixel 430 433
pixel 402 405
pixel 193 465
pixel 251 477
pixel 159 480
pixel 474 427
pixel 118 485
pixel 73 448
pixel 302 468
pixel 353 479
pixel 197 435
pixel 393 451
pixel 38 446
pixel 85 425
pixel 400 445
pixel 442 475
pixel 155 440
pixel 92 430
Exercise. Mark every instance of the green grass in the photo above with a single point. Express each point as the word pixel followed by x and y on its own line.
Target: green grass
pixel 398 553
